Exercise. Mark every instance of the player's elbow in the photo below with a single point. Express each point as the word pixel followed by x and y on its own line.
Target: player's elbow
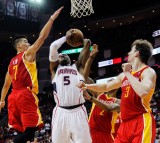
pixel 53 47
pixel 6 85
pixel 42 36
pixel 143 93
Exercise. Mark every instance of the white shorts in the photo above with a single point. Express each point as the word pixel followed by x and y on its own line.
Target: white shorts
pixel 70 124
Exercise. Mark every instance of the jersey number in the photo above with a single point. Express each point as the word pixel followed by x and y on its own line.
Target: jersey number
pixel 66 80
pixel 102 113
pixel 127 91
pixel 15 68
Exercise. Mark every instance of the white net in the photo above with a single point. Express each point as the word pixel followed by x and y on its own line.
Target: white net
pixel 81 8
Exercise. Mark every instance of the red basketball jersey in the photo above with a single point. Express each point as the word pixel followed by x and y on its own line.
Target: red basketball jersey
pixel 131 104
pixel 23 73
pixel 116 126
pixel 102 120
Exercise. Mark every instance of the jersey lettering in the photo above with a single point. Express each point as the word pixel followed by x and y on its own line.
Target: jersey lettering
pixel 102 113
pixel 67 71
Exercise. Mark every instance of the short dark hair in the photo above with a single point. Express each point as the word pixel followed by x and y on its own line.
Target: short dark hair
pixel 17 39
pixel 145 49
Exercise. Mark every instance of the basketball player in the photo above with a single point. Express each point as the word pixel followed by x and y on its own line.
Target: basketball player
pixel 137 82
pixel 23 112
pixel 69 118
pixel 104 116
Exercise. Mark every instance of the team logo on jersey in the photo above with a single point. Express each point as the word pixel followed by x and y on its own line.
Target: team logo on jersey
pixel 15 62
pixel 67 71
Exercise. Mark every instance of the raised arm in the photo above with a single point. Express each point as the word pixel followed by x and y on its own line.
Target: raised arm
pixel 30 53
pixel 90 59
pixel 87 68
pixel 53 54
pixel 84 54
pixel 103 87
pixel 103 104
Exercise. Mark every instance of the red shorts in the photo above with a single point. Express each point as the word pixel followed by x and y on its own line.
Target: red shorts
pixel 23 110
pixel 138 130
pixel 101 137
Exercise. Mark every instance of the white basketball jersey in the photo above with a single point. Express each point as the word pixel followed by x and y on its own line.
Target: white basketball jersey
pixel 66 92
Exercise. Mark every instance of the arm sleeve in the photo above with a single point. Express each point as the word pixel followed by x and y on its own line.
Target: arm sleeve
pixel 53 53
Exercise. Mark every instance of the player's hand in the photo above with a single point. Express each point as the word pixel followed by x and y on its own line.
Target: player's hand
pixel 56 13
pixel 126 67
pixel 87 42
pixel 94 50
pixel 2 104
pixel 82 86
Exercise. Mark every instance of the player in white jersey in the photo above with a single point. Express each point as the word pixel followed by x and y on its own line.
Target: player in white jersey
pixel 65 90
pixel 69 118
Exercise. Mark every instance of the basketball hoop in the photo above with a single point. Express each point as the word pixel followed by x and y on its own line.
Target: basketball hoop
pixel 81 8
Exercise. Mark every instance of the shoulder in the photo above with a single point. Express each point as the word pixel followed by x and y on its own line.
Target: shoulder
pixel 149 71
pixel 17 57
pixel 74 66
pixel 149 76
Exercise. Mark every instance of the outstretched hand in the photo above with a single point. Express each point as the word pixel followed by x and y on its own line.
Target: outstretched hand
pixel 56 13
pixel 126 67
pixel 87 42
pixel 82 86
pixel 94 50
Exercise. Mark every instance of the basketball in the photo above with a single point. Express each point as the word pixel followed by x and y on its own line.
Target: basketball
pixel 74 37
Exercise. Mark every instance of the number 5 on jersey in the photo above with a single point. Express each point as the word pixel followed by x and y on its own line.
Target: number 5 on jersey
pixel 66 80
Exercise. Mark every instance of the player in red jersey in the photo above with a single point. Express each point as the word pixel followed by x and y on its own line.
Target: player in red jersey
pixel 104 112
pixel 137 82
pixel 23 112
pixel 103 117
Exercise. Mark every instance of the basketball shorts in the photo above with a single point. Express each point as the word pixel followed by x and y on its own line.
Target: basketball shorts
pixel 101 137
pixel 138 130
pixel 70 124
pixel 23 110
